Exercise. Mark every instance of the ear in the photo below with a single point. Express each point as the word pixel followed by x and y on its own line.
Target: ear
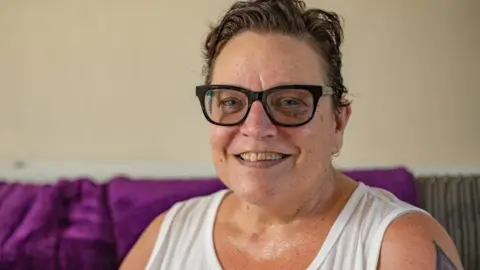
pixel 342 115
pixel 341 118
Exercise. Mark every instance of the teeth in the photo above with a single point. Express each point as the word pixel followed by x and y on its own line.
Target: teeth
pixel 262 156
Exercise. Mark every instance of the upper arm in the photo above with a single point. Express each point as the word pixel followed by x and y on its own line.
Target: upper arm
pixel 138 256
pixel 418 242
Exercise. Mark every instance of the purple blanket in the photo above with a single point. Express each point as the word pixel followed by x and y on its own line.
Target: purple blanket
pixel 79 224
pixel 61 226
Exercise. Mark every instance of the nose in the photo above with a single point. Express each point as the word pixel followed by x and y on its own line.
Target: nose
pixel 257 124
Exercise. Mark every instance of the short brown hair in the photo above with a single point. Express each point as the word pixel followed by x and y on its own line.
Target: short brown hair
pixel 290 17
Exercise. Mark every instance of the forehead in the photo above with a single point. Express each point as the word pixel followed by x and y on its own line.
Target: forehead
pixel 261 61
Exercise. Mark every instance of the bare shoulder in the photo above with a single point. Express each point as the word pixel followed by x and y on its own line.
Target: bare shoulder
pixel 417 241
pixel 138 256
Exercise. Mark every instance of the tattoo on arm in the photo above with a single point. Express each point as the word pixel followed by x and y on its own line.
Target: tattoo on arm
pixel 442 261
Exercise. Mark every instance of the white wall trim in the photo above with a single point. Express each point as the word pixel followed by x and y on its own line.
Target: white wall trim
pixel 44 172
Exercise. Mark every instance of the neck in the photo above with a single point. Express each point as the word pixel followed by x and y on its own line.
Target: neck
pixel 294 208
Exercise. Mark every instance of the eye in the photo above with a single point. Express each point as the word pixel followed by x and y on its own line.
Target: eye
pixel 290 106
pixel 289 102
pixel 230 102
pixel 231 105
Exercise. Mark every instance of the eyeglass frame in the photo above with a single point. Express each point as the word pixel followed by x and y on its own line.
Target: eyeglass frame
pixel 317 91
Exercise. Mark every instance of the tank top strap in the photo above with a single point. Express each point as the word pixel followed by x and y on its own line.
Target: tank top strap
pixel 373 252
pixel 338 226
pixel 200 212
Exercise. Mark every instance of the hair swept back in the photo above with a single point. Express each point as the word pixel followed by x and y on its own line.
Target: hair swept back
pixel 321 28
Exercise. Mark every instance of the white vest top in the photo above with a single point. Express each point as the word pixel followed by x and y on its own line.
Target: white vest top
pixel 185 239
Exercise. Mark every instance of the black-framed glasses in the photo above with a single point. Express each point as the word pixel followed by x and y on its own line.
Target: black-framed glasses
pixel 285 105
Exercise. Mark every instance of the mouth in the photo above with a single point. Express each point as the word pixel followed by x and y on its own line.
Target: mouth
pixel 261 159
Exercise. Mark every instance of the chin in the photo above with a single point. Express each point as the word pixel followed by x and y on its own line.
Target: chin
pixel 256 184
pixel 255 187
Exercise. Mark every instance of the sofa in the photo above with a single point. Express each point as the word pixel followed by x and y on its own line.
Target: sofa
pixel 83 224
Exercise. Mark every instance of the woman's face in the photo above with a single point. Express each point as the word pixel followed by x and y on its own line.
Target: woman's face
pixel 259 62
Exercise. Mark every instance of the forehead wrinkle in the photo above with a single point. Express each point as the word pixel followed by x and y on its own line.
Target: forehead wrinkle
pixel 266 71
pixel 272 61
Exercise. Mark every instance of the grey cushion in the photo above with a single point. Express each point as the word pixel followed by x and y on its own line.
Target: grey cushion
pixel 454 201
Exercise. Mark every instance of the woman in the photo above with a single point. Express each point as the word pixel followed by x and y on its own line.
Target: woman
pixel 275 99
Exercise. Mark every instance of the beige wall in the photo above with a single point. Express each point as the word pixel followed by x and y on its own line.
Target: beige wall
pixel 113 81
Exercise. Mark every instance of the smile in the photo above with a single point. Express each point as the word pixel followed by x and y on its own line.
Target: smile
pixel 261 159
pixel 261 156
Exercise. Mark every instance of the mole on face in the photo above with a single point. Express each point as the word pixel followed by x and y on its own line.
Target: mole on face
pixel 254 237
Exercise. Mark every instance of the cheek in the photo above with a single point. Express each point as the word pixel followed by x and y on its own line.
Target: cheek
pixel 316 138
pixel 220 138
